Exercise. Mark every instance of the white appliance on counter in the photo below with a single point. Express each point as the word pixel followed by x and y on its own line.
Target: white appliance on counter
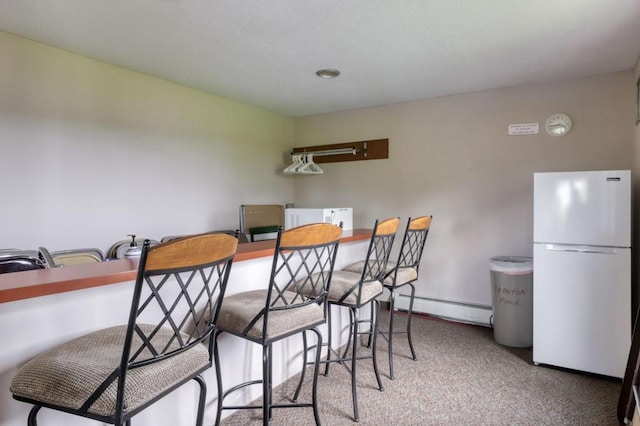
pixel 298 216
pixel 582 270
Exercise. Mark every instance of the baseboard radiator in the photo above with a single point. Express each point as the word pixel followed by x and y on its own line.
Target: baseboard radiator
pixel 455 311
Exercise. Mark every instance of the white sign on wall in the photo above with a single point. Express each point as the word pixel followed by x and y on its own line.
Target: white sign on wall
pixel 524 129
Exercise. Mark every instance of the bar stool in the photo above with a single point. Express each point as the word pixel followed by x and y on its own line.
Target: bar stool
pixel 112 374
pixel 355 290
pixel 400 273
pixel 294 302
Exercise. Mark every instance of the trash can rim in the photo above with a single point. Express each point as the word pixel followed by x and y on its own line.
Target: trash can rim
pixel 513 264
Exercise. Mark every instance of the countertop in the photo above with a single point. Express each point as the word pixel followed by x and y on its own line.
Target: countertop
pixel 42 282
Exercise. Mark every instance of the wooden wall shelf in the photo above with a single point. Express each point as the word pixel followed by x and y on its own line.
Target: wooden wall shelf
pixel 365 150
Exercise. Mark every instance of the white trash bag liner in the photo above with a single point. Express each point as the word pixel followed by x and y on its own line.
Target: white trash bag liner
pixel 512 265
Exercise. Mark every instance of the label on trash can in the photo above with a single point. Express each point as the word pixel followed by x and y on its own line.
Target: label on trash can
pixel 509 296
pixel 510 291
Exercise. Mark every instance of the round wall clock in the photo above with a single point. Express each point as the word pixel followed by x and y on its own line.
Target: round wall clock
pixel 558 124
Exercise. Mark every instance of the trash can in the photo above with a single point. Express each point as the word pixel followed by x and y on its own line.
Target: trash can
pixel 512 300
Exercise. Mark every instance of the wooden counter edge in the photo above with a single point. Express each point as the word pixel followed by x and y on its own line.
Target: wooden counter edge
pixel 29 284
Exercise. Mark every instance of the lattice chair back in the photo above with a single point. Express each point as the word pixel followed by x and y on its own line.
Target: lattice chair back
pixel 179 284
pixel 413 242
pixel 300 274
pixel 176 299
pixel 380 245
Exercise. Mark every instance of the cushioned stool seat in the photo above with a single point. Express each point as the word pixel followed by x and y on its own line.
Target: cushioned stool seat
pixel 67 375
pixel 239 310
pixel 405 274
pixel 346 290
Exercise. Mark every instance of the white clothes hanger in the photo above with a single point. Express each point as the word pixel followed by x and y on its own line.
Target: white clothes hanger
pixel 309 167
pixel 296 163
pixel 303 164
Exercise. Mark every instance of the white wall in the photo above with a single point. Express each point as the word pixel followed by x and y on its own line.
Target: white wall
pixel 92 152
pixel 451 157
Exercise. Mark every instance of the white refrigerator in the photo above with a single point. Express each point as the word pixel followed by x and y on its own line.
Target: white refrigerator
pixel 582 270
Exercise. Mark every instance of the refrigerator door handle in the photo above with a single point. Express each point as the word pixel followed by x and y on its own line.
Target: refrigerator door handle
pixel 581 249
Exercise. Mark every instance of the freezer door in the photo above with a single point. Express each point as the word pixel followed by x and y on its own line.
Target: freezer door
pixel 588 208
pixel 582 308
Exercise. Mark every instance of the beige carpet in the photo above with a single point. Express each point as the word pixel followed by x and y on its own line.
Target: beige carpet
pixel 461 377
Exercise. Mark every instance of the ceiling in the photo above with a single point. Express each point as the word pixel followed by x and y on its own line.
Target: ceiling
pixel 265 53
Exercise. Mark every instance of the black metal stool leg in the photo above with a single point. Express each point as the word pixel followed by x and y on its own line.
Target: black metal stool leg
pixel 390 336
pixel 353 322
pixel 32 415
pixel 266 391
pixel 304 365
pixel 374 316
pixel 354 336
pixel 413 292
pixel 316 369
pixel 370 336
pixel 216 357
pixel 201 400
pixel 329 335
